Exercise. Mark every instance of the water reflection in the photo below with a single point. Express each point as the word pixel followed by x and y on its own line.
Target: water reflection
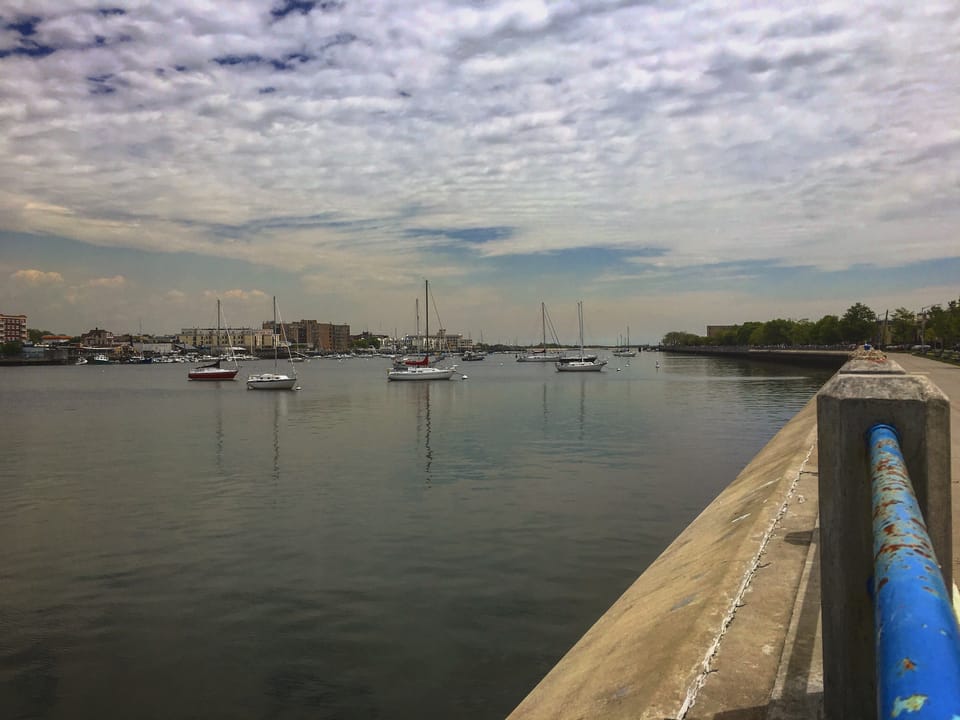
pixel 219 432
pixel 583 403
pixel 546 413
pixel 276 440
pixel 422 391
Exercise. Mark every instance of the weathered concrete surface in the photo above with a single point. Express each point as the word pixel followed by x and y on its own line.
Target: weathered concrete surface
pixel 862 394
pixel 697 634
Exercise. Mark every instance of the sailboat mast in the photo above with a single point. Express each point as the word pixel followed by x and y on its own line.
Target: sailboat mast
pixel 543 322
pixel 426 300
pixel 580 313
pixel 274 332
pixel 218 328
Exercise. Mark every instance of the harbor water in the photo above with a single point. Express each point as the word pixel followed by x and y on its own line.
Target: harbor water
pixel 353 549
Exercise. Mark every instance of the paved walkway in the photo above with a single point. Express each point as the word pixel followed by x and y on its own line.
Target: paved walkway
pixel 947 378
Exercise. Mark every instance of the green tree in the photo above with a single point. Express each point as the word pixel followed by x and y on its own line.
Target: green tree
pixel 35 336
pixel 8 349
pixel 826 330
pixel 677 338
pixel 802 333
pixel 903 327
pixel 745 333
pixel 858 324
pixel 728 337
pixel 776 332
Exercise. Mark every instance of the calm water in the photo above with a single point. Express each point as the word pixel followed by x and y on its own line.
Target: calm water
pixel 357 549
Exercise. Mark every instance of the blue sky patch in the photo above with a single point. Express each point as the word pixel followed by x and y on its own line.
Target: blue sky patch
pixel 473 236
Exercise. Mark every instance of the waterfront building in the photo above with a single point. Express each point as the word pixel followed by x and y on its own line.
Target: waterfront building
pixel 13 328
pixel 333 337
pixel 54 340
pixel 251 338
pixel 97 338
pixel 441 342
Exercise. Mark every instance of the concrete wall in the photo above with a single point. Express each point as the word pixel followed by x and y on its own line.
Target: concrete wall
pixel 651 654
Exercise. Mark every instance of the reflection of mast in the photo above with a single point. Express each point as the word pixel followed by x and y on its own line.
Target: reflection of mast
pixel 545 413
pixel 276 441
pixel 583 403
pixel 219 433
pixel 423 422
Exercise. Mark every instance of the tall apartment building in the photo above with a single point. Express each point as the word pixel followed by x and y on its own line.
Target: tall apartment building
pixel 325 337
pixel 13 328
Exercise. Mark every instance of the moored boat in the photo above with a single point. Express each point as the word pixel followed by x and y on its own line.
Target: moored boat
pixel 540 354
pixel 420 369
pixel 100 359
pixel 581 362
pixel 274 380
pixel 214 370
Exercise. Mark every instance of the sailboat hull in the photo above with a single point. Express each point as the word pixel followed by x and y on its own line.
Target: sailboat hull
pixel 271 381
pixel 545 357
pixel 421 374
pixel 213 373
pixel 581 366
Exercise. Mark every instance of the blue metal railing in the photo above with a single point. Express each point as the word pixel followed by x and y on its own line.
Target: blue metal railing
pixel 917 639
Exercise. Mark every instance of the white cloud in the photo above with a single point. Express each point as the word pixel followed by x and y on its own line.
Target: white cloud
pixel 37 277
pixel 719 133
pixel 117 281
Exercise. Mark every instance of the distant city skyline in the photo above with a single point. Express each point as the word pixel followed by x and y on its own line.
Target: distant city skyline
pixel 672 166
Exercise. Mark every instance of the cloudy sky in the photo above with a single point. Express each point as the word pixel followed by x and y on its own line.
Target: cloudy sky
pixel 672 165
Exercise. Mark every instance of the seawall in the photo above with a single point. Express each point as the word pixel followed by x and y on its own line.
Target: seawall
pixel 804 358
pixel 706 628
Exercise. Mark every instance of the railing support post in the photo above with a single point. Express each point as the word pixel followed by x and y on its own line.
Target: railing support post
pixel 863 394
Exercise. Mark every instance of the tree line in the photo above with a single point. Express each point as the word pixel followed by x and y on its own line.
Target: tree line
pixel 936 326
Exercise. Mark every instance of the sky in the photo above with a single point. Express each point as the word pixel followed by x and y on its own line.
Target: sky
pixel 672 165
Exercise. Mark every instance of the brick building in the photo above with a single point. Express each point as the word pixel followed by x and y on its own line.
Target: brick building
pixel 13 328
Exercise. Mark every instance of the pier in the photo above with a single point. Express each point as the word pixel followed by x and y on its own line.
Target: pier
pixel 730 622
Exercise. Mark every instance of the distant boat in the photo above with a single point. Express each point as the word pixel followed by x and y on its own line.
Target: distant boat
pixel 471 355
pixel 624 350
pixel 542 355
pixel 81 361
pixel 581 362
pixel 100 359
pixel 214 371
pixel 420 370
pixel 274 380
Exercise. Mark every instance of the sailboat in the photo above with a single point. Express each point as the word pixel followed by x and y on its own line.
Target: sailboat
pixel 581 362
pixel 213 371
pixel 542 355
pixel 275 380
pixel 419 370
pixel 624 350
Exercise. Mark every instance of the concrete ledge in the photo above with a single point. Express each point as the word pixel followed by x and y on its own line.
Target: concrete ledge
pixel 649 655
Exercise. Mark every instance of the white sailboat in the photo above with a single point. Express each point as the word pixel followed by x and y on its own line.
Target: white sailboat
pixel 275 380
pixel 420 370
pixel 542 355
pixel 624 350
pixel 581 362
